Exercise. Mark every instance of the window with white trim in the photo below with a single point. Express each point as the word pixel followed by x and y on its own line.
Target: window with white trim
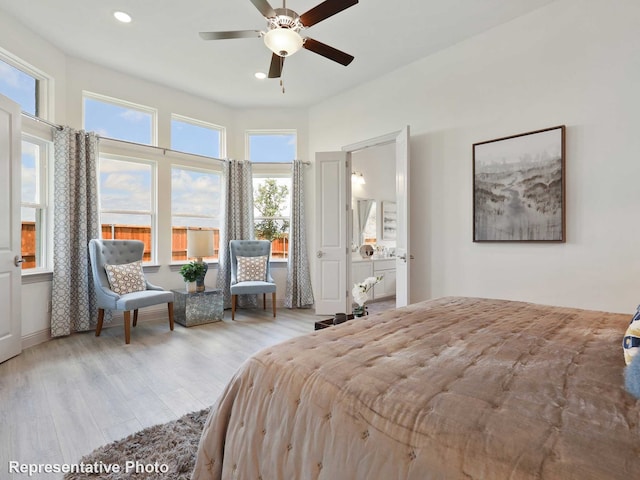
pixel 271 146
pixel 271 152
pixel 119 119
pixel 24 84
pixel 196 202
pixel 194 136
pixel 128 201
pixel 272 211
pixel 34 203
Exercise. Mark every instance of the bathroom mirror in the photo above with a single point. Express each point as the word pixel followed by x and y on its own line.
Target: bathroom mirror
pixel 364 221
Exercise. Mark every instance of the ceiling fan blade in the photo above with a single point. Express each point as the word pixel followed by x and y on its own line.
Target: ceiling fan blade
pixel 232 34
pixel 325 10
pixel 277 62
pixel 265 9
pixel 327 51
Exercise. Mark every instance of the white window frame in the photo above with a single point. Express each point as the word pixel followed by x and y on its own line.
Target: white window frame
pixel 153 213
pixel 128 105
pixel 43 203
pixel 249 133
pixel 200 123
pixel 187 166
pixel 44 83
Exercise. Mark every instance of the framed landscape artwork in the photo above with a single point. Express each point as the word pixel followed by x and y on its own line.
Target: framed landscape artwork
pixel 519 188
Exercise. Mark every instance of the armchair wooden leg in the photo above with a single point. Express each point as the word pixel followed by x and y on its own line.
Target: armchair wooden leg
pixel 135 317
pixel 127 327
pixel 234 298
pixel 264 301
pixel 170 307
pixel 100 320
pixel 273 300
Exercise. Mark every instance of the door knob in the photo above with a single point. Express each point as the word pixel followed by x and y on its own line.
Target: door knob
pixel 319 254
pixel 18 260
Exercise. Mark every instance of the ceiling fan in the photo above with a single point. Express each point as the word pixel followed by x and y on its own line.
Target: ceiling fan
pixel 283 36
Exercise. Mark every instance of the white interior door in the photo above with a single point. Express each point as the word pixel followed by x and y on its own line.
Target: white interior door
pixel 403 253
pixel 10 247
pixel 332 209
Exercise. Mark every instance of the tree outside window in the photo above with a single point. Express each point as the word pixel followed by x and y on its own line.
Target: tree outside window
pixel 271 203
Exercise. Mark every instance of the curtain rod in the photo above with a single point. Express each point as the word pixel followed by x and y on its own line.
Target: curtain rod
pixel 164 150
pixel 42 120
pixel 304 162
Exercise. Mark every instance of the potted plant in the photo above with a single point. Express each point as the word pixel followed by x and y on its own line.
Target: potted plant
pixel 190 273
pixel 360 294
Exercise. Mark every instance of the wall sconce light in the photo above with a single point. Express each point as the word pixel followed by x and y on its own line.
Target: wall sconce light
pixel 357 178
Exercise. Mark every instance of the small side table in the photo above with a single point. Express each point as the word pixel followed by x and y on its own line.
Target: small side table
pixel 198 308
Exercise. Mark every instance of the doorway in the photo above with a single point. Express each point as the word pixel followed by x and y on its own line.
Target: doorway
pixel 388 197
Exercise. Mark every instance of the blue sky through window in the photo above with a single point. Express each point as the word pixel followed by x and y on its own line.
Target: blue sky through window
pixel 273 147
pixel 126 187
pixel 195 198
pixel 197 139
pixel 19 87
pixel 115 121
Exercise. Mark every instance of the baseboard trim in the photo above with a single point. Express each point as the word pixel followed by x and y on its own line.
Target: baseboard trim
pixel 36 338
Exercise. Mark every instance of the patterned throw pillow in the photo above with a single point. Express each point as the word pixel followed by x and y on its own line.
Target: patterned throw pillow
pixel 631 340
pixel 252 269
pixel 126 278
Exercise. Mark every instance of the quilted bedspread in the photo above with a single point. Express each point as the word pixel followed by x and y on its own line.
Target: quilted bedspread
pixel 453 388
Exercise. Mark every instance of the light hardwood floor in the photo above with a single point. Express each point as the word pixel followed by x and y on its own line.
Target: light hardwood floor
pixel 62 399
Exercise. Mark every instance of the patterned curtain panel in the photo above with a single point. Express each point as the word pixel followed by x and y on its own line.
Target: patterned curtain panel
pixel 75 222
pixel 237 195
pixel 299 292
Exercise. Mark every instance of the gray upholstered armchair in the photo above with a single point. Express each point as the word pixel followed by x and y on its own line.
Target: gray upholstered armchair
pixel 120 253
pixel 250 273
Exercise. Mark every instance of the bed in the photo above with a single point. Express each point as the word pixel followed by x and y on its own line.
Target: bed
pixel 445 389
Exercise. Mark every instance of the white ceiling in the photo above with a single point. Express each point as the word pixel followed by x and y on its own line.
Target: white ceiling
pixel 162 42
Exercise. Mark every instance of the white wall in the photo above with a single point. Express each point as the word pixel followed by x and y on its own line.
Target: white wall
pixel 573 62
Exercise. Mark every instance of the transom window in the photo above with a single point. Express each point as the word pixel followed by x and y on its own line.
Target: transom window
pixel 197 137
pixel 195 203
pixel 24 84
pixel 128 201
pixel 118 119
pixel 271 145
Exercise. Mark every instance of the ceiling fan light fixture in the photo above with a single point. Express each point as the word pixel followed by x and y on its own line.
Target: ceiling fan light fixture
pixel 283 41
pixel 260 75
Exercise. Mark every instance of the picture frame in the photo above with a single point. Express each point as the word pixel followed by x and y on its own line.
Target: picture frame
pixel 519 188
pixel 389 220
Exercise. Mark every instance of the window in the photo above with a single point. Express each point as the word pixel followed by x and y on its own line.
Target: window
pixel 271 211
pixel 34 212
pixel 127 201
pixel 193 136
pixel 272 185
pixel 195 203
pixel 113 118
pixel 19 87
pixel 271 146
pixel 24 84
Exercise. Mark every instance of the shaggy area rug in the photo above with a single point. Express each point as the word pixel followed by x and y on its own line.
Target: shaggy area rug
pixel 172 445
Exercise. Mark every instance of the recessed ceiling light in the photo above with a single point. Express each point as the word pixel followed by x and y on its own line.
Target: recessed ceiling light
pixel 260 75
pixel 122 17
